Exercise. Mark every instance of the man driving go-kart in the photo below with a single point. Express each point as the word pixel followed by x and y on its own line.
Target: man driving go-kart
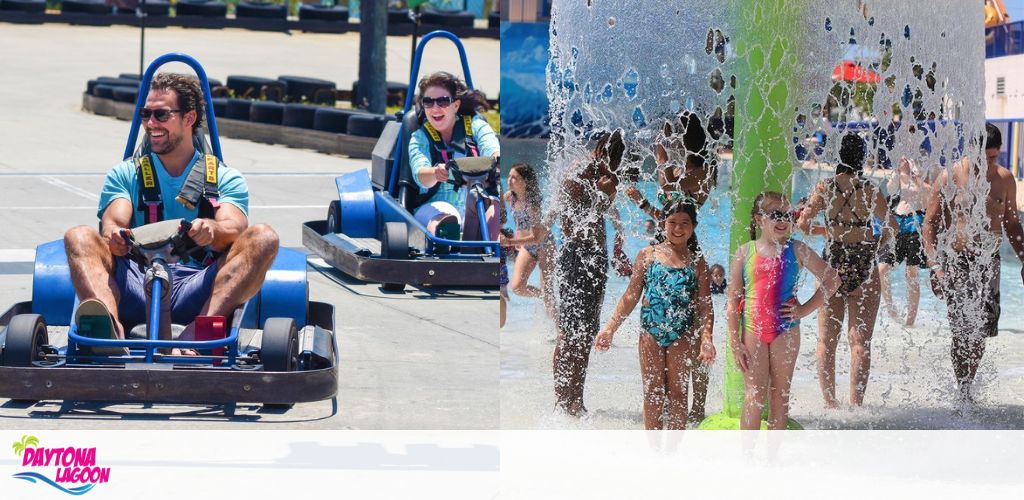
pixel 171 177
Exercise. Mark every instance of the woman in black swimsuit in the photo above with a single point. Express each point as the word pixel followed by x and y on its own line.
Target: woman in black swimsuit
pixel 849 201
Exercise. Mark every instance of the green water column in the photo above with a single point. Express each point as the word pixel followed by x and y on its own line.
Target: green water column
pixel 766 57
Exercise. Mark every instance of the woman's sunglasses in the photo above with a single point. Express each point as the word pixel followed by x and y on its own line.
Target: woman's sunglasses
pixel 779 216
pixel 161 115
pixel 442 102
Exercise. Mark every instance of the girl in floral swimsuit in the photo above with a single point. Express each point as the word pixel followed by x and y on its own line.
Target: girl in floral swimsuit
pixel 676 316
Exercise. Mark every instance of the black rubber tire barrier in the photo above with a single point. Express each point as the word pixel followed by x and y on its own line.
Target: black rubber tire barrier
pixel 494 20
pixel 396 92
pixel 109 80
pixel 201 8
pixel 302 89
pixel 261 11
pixel 153 8
pixel 399 16
pixel 238 109
pixel 299 115
pixel 36 6
pixel 321 13
pixel 86 6
pixel 125 94
pixel 367 125
pixel 220 107
pixel 448 18
pixel 103 90
pixel 267 112
pixel 334 119
pixel 130 76
pixel 250 86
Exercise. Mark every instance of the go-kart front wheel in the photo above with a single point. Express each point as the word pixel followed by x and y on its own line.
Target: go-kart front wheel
pixel 26 336
pixel 279 350
pixel 334 217
pixel 394 244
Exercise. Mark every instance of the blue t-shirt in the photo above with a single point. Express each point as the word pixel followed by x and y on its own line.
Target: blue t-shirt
pixel 122 182
pixel 420 158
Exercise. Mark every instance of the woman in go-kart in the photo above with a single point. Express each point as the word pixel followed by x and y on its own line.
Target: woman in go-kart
pixel 451 111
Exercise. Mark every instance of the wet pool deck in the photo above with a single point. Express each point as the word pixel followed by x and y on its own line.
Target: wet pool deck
pixel 419 360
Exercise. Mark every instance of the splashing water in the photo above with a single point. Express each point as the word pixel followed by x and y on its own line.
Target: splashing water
pixel 917 97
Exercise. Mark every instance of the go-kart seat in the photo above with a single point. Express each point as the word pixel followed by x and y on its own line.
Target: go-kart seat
pixel 411 199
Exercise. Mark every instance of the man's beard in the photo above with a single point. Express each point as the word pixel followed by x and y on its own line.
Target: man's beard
pixel 171 143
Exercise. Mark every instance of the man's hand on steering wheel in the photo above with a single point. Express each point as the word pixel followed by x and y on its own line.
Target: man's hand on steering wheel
pixel 118 247
pixel 203 231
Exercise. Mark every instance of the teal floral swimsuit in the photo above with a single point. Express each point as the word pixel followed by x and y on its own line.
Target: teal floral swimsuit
pixel 669 312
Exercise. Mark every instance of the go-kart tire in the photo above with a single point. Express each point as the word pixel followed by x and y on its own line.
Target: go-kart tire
pixel 238 109
pixel 252 86
pixel 154 8
pixel 334 217
pixel 334 119
pixel 394 241
pixel 261 11
pixel 399 16
pixel 303 89
pixel 367 125
pixel 26 334
pixel 321 13
pixel 201 8
pixel 448 18
pixel 125 94
pixel 279 349
pixel 299 115
pixel 37 6
pixel 86 6
pixel 220 107
pixel 396 92
pixel 266 112
pixel 128 76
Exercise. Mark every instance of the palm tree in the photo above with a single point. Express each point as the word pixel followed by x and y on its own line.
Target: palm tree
pixel 26 441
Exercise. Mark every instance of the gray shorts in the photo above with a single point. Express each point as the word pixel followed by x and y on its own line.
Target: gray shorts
pixel 190 289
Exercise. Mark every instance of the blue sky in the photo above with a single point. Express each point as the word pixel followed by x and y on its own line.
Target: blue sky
pixel 1015 8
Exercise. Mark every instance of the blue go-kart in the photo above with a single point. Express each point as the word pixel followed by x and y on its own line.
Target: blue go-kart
pixel 370 232
pixel 278 348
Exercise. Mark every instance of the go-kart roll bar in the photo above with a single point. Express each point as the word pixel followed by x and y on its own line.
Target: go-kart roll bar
pixel 411 91
pixel 147 78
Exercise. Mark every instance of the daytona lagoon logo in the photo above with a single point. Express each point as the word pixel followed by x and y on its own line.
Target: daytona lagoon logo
pixel 76 472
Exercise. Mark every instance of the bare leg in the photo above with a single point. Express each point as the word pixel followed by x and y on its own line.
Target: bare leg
pixel 652 369
pixel 782 353
pixel 546 262
pixel 92 270
pixel 913 294
pixel 440 219
pixel 830 322
pixel 756 381
pixel 680 362
pixel 525 263
pixel 503 306
pixel 699 379
pixel 883 276
pixel 863 310
pixel 471 231
pixel 967 351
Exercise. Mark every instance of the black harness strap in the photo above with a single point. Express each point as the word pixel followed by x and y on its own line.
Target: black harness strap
pixel 439 151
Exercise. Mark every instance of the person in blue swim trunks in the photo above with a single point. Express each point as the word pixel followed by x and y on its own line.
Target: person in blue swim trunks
pixel 908 187
pixel 171 177
pixel 677 317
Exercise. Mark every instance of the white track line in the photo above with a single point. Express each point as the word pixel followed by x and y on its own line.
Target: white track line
pixel 53 181
pixel 18 255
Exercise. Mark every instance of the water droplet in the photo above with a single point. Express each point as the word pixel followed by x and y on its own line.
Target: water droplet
pixel 607 93
pixel 664 70
pixel 575 53
pixel 908 96
pixel 906 32
pixel 630 82
pixel 828 24
pixel 638 117
pixel 577 118
pixel 871 21
pixel 612 21
pixel 587 94
pixel 668 81
pixel 674 106
pixel 689 104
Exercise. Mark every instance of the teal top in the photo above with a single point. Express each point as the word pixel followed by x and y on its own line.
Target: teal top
pixel 420 157
pixel 122 182
pixel 669 306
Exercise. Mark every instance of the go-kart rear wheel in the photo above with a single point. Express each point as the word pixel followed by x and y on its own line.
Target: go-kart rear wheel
pixel 280 348
pixel 334 217
pixel 26 335
pixel 394 244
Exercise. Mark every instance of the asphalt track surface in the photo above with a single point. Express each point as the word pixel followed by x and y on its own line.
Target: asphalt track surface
pixel 425 359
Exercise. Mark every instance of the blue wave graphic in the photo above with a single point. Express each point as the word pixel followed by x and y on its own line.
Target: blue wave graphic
pixel 33 476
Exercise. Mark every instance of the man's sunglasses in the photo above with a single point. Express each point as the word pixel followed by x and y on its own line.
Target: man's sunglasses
pixel 779 216
pixel 442 102
pixel 161 115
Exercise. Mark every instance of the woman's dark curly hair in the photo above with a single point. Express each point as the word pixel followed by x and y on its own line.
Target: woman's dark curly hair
pixel 190 95
pixel 472 101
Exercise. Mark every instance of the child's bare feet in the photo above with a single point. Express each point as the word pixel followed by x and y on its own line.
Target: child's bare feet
pixel 832 404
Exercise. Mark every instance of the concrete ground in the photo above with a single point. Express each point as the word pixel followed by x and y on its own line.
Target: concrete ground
pixel 426 359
